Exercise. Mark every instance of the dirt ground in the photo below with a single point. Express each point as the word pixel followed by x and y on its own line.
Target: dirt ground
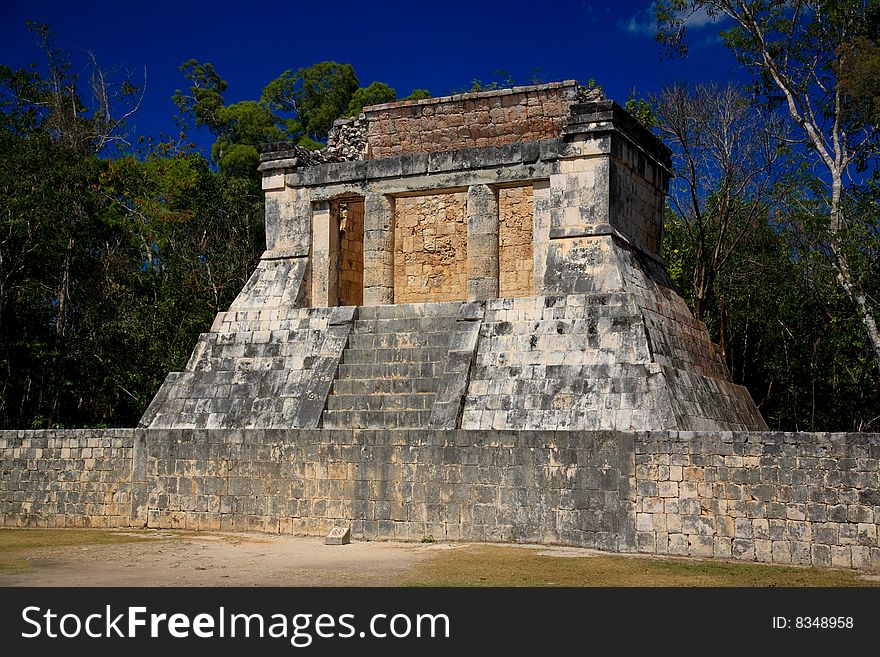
pixel 94 557
pixel 200 559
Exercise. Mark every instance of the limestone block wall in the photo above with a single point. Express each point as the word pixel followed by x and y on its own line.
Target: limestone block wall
pixel 490 118
pixel 537 486
pixel 637 193
pixel 516 268
pixel 623 194
pixel 599 174
pixel 802 498
pixel 569 362
pixel 288 213
pixel 66 478
pixel 811 499
pixel 430 248
pixel 701 394
pixel 259 367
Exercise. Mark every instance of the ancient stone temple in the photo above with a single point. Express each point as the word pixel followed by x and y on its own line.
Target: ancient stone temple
pixel 481 261
pixel 461 328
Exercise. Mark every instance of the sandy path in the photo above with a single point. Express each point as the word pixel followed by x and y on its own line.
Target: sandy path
pixel 174 559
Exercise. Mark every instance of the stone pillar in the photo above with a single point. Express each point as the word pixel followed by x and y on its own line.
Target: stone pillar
pixel 325 256
pixel 579 198
pixel 278 206
pixel 288 221
pixel 540 230
pixel 482 243
pixel 378 249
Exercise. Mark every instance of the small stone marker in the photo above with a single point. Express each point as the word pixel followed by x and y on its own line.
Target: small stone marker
pixel 338 536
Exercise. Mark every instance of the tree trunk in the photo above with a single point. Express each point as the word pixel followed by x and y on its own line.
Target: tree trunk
pixel 841 263
pixel 722 331
pixel 63 292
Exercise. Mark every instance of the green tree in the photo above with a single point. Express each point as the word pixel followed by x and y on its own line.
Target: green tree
pixel 317 96
pixel 238 129
pixel 789 331
pixel 418 94
pixel 204 101
pixel 375 94
pixel 641 109
pixel 110 267
pixel 727 162
pixel 807 54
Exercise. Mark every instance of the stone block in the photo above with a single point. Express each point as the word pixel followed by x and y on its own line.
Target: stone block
pixel 338 536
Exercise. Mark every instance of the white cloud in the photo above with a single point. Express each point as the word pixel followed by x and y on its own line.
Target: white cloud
pixel 644 22
pixel 700 19
pixel 641 23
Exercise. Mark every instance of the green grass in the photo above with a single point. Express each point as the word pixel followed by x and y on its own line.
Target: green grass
pixel 494 565
pixel 15 544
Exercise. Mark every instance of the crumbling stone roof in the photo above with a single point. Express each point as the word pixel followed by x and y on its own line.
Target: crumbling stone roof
pixel 495 117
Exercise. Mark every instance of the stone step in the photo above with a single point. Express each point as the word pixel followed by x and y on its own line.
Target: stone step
pixel 376 419
pixel 410 310
pixel 412 355
pixel 257 364
pixel 254 351
pixel 403 325
pixel 432 370
pixel 398 340
pixel 384 386
pixel 412 402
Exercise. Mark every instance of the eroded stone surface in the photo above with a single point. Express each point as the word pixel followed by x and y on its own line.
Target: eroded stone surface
pixel 543 202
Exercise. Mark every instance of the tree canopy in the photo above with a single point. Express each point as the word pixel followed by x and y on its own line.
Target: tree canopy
pixel 817 60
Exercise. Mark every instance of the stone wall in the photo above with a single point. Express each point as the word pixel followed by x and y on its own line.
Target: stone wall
pixel 430 248
pixel 66 478
pixel 612 179
pixel 259 367
pixel 568 363
pixel 637 192
pixel 541 487
pixel 803 498
pixel 489 118
pixel 811 499
pixel 516 266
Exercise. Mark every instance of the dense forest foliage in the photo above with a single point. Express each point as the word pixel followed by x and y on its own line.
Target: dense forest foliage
pixel 116 253
pixel 114 256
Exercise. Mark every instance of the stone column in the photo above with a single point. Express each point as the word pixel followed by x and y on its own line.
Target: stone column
pixel 579 198
pixel 378 249
pixel 288 222
pixel 325 256
pixel 482 243
pixel 278 206
pixel 540 230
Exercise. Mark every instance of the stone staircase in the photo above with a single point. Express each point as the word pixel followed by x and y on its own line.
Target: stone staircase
pixel 391 367
pixel 258 368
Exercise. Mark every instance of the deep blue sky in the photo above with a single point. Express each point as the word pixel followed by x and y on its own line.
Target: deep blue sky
pixel 440 46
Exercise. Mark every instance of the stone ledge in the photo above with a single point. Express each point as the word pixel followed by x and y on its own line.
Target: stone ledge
pixel 402 166
pixel 471 95
pixel 606 115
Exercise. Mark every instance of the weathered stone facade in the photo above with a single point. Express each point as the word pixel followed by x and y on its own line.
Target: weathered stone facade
pixel 430 248
pixel 66 478
pixel 559 206
pixel 516 267
pixel 350 217
pixel 470 120
pixel 462 328
pixel 783 498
